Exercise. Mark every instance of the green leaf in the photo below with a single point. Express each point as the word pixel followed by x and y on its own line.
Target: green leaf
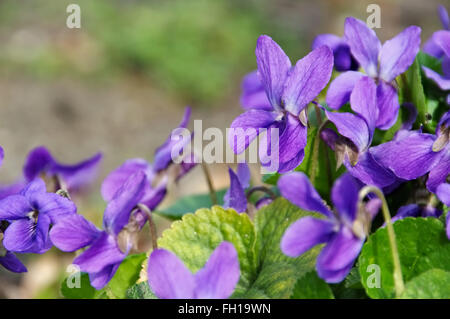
pixel 190 204
pixel 265 271
pixel 310 286
pixel 195 237
pixel 430 61
pixel 432 284
pixel 140 291
pixel 411 90
pixel 422 245
pixel 84 290
pixel 127 274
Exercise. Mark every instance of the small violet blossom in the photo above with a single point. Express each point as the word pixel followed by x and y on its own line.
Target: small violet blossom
pixel 75 177
pixel 380 62
pixel 432 47
pixel 343 59
pixel 415 154
pixel 108 247
pixel 31 214
pixel 289 90
pixel 352 147
pixel 344 230
pixel 158 175
pixel 169 278
pixel 442 40
pixel 235 196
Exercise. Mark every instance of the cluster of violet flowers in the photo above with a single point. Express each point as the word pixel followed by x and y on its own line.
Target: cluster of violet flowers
pixel 37 212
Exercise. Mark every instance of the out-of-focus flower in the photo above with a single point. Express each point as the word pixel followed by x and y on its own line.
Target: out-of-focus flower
pixel 431 47
pixel 414 210
pixel 158 175
pixel 441 40
pixel 31 213
pixel 289 90
pixel 415 154
pixel 169 278
pixel 108 247
pixel 343 59
pixel 75 177
pixel 343 231
pixel 380 62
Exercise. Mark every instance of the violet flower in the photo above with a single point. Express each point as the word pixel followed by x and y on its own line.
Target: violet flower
pixel 108 247
pixel 253 94
pixel 343 230
pixel 343 59
pixel 289 90
pixel 356 134
pixel 442 40
pixel 235 196
pixel 431 47
pixel 414 210
pixel 415 154
pixel 169 278
pixel 381 62
pixel 75 177
pixel 31 213
pixel 11 262
pixel 158 175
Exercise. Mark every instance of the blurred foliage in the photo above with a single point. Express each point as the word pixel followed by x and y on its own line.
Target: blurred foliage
pixel 195 49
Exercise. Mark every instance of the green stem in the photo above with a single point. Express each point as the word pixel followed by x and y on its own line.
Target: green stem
pixel 212 192
pixel 398 277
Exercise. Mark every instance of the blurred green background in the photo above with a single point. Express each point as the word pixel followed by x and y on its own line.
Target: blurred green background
pixel 119 84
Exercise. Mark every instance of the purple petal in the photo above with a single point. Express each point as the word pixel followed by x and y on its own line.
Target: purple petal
pixel 363 43
pixel 443 16
pixel 304 234
pixel 442 39
pixel 248 125
pixel 168 277
pixel 412 116
pixel 118 210
pixel 410 157
pixel 79 175
pixel 243 173
pixel 341 87
pixel 2 155
pixel 343 59
pixel 273 68
pixel 103 252
pixel 297 188
pixel 163 154
pixel 11 189
pixel 73 232
pixel 100 279
pixel 363 101
pixel 218 278
pixel 338 255
pixel 411 210
pixel 369 171
pixel 292 140
pixel 12 263
pixel 432 48
pixel 38 161
pixel 53 205
pixel 235 196
pixel 14 207
pixel 114 181
pixel 443 192
pixel 253 95
pixel 447 220
pixel 398 54
pixel 440 172
pixel 345 196
pixel 373 207
pixel 388 106
pixel 308 78
pixel 441 81
pixel 24 236
pixel 330 40
pixel 353 127
pixel 33 189
pixel 288 166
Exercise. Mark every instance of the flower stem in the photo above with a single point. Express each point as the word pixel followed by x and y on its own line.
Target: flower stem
pixel 151 224
pixel 212 192
pixel 260 189
pixel 398 277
